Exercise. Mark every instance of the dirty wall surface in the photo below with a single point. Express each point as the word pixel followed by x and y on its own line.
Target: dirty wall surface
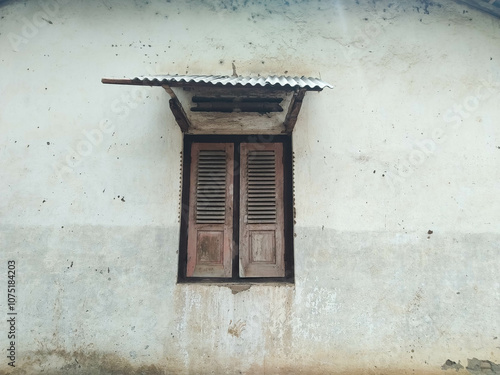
pixel 395 178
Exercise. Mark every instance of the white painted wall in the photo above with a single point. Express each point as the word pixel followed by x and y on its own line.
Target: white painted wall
pixel 407 142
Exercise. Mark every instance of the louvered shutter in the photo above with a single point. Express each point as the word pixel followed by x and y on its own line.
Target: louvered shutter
pixel 210 228
pixel 261 210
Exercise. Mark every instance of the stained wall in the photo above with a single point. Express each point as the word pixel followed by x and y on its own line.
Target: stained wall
pixel 396 178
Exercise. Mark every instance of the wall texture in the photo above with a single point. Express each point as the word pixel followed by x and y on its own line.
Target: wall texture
pixel 396 185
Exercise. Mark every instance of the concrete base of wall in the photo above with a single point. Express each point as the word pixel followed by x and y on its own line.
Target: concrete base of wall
pixel 104 300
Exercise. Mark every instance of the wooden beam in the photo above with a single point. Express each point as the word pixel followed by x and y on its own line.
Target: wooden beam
pixel 177 110
pixel 228 107
pixel 233 99
pixel 293 110
pixel 123 81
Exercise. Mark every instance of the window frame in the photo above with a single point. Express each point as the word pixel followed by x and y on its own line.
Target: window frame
pixel 236 140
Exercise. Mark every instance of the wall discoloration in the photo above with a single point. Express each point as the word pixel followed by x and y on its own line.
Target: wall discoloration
pixel 235 329
pixel 392 276
pixel 303 324
pixel 61 362
pixel 451 365
pixel 235 289
pixel 476 366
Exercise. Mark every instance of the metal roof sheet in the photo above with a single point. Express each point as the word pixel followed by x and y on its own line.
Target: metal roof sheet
pixel 270 81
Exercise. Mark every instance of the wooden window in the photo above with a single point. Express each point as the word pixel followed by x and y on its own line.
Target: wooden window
pixel 261 210
pixel 237 224
pixel 210 210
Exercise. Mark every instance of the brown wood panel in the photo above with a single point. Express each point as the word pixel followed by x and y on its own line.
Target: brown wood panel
pixel 210 226
pixel 262 248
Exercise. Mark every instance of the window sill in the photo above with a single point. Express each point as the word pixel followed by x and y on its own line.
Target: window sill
pixel 237 287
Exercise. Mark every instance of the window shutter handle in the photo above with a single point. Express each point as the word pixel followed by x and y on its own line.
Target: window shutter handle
pixel 245 219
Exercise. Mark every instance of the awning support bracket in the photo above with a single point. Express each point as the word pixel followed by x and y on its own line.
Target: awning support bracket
pixel 293 110
pixel 177 110
pixel 260 101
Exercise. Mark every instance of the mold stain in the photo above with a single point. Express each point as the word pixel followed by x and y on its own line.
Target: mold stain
pixel 236 329
pixel 81 362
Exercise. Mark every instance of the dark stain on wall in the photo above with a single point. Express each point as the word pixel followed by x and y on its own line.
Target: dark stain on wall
pixel 81 363
pixel 451 365
pixel 474 366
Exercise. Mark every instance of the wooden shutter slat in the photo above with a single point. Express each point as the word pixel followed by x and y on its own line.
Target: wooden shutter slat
pixel 210 227
pixel 211 187
pixel 261 210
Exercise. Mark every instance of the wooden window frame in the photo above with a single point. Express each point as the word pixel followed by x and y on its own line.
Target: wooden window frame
pixel 288 220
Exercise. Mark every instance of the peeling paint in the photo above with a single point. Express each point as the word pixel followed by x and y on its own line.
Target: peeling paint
pixel 451 365
pixel 477 366
pixel 235 289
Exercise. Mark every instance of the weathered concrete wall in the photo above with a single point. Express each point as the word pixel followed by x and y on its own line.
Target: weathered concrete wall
pixel 396 179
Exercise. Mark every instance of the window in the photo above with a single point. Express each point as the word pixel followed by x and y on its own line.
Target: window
pixel 237 221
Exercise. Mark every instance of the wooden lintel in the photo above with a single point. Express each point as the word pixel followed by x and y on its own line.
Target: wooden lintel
pixel 177 110
pixel 293 110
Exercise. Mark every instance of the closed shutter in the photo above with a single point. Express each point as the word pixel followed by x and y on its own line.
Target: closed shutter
pixel 210 228
pixel 261 210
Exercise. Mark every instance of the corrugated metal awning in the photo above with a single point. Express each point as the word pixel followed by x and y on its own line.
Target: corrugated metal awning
pixel 258 86
pixel 176 80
